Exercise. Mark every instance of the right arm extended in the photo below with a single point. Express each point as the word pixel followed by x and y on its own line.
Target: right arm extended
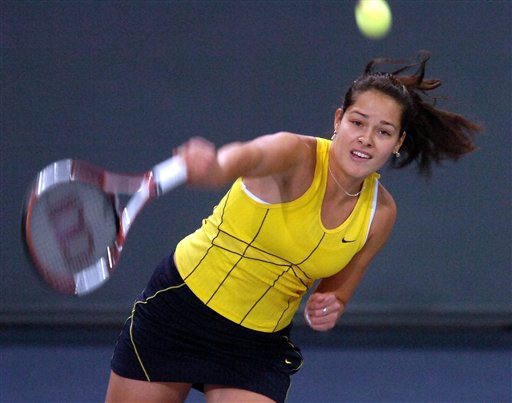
pixel 274 154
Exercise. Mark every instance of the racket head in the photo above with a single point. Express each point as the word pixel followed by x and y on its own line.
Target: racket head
pixel 70 227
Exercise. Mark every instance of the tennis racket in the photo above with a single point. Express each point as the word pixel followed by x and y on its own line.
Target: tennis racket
pixel 74 226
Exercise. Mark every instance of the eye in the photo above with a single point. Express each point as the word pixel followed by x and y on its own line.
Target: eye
pixel 385 133
pixel 357 123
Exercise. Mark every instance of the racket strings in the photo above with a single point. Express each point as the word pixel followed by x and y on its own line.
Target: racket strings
pixel 71 226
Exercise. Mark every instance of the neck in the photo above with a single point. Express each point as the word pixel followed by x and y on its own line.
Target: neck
pixel 346 190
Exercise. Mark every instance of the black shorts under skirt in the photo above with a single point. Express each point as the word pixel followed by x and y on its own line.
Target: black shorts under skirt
pixel 172 336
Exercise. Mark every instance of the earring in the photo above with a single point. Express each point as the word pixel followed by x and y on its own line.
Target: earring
pixel 334 135
pixel 397 154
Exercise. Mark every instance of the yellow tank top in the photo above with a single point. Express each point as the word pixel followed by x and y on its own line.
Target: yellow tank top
pixel 252 262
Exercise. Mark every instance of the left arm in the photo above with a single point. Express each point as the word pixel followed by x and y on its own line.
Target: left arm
pixel 328 301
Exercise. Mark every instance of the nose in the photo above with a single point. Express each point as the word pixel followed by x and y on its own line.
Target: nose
pixel 365 139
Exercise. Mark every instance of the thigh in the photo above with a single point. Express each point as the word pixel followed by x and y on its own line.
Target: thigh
pixel 221 394
pixel 124 390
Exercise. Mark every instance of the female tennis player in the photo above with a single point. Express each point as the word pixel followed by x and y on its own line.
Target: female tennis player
pixel 217 313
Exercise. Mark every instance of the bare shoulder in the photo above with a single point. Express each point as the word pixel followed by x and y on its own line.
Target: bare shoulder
pixel 291 149
pixel 289 139
pixel 305 149
pixel 385 199
pixel 285 166
pixel 385 215
pixel 309 141
pixel 301 145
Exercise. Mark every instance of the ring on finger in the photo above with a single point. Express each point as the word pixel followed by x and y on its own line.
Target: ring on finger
pixel 306 316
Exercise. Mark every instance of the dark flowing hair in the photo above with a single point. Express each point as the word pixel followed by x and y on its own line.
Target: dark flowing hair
pixel 432 134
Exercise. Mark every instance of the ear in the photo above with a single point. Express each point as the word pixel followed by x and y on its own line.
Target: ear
pixel 400 141
pixel 338 115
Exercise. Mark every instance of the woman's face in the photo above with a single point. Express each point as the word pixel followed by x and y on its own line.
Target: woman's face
pixel 368 132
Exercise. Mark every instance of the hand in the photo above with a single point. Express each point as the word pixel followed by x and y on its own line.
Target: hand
pixel 200 155
pixel 322 311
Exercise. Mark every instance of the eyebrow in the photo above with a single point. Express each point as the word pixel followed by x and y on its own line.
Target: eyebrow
pixel 384 122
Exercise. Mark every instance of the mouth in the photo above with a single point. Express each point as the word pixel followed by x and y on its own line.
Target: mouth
pixel 360 155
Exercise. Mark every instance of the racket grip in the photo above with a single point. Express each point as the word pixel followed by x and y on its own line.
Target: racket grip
pixel 170 174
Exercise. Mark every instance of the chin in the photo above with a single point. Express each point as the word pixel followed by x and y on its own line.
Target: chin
pixel 360 172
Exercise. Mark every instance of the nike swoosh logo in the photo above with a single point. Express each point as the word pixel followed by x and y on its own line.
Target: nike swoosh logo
pixel 287 361
pixel 347 241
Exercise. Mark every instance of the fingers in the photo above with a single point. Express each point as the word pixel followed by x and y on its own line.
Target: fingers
pixel 322 311
pixel 321 320
pixel 200 156
pixel 196 151
pixel 320 304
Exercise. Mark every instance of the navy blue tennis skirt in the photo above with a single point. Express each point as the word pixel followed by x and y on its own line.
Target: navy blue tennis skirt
pixel 172 336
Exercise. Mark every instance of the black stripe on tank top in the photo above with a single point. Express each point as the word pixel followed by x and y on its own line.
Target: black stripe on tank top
pixel 277 279
pixel 213 239
pixel 240 258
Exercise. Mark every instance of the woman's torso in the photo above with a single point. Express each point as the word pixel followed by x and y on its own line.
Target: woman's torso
pixel 253 262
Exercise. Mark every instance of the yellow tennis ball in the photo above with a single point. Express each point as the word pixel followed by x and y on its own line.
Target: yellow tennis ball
pixel 373 18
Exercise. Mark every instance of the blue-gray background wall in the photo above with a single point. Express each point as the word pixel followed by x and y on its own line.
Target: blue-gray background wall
pixel 121 83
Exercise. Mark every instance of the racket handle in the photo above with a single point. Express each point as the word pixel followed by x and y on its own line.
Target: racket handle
pixel 170 174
